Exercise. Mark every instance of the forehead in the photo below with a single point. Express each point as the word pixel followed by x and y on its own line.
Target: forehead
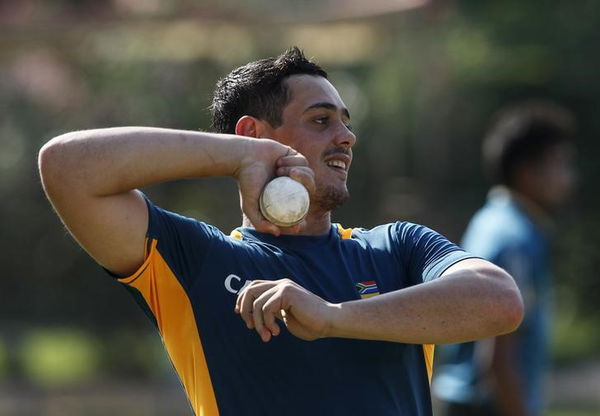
pixel 307 90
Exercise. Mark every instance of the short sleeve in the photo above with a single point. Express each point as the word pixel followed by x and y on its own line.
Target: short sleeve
pixel 181 241
pixel 426 253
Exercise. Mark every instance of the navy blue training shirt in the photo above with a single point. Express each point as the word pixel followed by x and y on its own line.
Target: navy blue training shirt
pixel 189 283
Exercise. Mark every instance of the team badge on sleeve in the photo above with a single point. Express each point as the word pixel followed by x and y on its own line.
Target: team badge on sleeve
pixel 367 289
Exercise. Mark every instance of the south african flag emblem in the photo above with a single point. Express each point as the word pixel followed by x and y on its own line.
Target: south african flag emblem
pixel 367 289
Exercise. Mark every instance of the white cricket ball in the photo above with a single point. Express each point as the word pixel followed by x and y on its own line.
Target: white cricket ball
pixel 284 201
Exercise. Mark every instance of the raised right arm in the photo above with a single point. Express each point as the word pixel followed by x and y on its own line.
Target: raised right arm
pixel 91 178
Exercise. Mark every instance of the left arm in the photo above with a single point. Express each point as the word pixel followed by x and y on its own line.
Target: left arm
pixel 472 299
pixel 507 381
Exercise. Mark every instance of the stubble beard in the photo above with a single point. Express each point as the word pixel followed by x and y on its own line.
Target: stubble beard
pixel 330 197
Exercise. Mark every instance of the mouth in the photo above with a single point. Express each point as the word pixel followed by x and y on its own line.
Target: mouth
pixel 340 163
pixel 339 160
pixel 337 164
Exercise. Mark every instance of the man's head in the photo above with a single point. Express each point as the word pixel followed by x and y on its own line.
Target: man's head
pixel 258 89
pixel 289 99
pixel 529 149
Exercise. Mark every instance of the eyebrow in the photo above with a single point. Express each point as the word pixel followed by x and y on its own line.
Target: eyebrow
pixel 328 106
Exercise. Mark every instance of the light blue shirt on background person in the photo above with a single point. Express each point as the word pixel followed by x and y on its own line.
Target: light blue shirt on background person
pixel 510 232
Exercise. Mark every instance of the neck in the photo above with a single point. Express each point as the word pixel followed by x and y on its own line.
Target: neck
pixel 315 224
pixel 536 211
pixel 529 194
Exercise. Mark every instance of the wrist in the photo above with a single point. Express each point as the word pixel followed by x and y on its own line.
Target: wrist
pixel 333 318
pixel 244 155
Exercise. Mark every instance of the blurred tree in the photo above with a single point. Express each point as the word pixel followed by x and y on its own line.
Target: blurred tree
pixel 421 86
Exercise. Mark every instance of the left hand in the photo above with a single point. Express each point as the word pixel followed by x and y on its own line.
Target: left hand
pixel 305 314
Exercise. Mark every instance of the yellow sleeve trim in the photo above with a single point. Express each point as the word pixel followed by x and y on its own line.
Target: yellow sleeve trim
pixel 344 232
pixel 428 352
pixel 149 251
pixel 174 314
pixel 235 234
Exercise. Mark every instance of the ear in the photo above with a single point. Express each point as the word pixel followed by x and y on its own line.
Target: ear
pixel 252 127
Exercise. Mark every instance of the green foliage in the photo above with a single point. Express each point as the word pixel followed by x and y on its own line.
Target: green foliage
pixel 3 360
pixel 424 85
pixel 145 356
pixel 58 357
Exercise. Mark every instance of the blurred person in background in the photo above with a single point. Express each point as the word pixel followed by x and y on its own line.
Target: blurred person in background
pixel 368 355
pixel 528 153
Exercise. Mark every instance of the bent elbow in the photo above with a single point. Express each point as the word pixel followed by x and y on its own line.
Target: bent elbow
pixel 49 162
pixel 53 159
pixel 510 305
pixel 516 311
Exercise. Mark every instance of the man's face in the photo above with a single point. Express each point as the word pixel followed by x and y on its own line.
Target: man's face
pixel 554 176
pixel 316 123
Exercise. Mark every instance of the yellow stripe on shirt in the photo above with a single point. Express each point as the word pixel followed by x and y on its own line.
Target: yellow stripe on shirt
pixel 172 309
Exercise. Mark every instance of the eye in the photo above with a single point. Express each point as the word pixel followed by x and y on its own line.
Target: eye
pixel 323 120
pixel 348 125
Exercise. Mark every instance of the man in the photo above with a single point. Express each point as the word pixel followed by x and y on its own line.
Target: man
pixel 208 291
pixel 528 151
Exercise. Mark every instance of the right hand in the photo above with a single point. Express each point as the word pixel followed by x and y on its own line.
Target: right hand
pixel 263 302
pixel 266 159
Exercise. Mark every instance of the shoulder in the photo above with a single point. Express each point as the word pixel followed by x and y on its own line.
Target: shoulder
pixel 178 228
pixel 383 234
pixel 398 234
pixel 422 252
pixel 499 227
pixel 506 219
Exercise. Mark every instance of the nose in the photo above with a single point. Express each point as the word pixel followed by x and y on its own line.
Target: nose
pixel 345 137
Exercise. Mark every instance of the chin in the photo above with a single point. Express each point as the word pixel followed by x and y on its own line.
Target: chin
pixel 331 197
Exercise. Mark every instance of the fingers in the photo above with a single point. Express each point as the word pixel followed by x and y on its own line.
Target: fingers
pixel 250 207
pixel 302 174
pixel 260 305
pixel 305 315
pixel 245 300
pixel 295 165
pixel 296 159
pixel 263 313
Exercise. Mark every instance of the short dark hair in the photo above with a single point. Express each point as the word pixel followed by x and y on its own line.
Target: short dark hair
pixel 521 133
pixel 257 89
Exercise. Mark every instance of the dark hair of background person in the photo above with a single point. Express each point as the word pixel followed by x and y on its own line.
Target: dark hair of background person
pixel 521 133
pixel 257 89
